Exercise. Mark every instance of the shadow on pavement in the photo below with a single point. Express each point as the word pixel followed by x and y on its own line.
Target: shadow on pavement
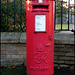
pixel 63 72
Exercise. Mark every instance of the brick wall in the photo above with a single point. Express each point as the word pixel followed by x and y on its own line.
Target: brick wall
pixel 64 49
pixel 13 49
pixel 13 54
pixel 64 54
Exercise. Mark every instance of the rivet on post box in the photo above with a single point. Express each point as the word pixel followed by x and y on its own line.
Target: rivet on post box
pixel 40 37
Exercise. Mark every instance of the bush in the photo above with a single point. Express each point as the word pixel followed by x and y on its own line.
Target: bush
pixel 10 24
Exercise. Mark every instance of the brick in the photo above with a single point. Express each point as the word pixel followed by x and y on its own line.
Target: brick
pixel 20 45
pixel 11 52
pixel 21 52
pixel 21 60
pixel 15 64
pixel 63 66
pixel 72 42
pixel 13 60
pixel 24 48
pixel 70 54
pixel 3 60
pixel 17 56
pixel 65 58
pixel 62 45
pixel 56 49
pixel 3 56
pixel 65 49
pixel 24 56
pixel 55 41
pixel 63 41
pixel 70 62
pixel 25 62
pixel 61 53
pixel 58 46
pixel 3 64
pixel 3 49
pixel 3 52
pixel 21 48
pixel 55 53
pixel 56 61
pixel 7 61
pixel 69 46
pixel 9 56
pixel 11 48
pixel 55 57
pixel 60 61
pixel 66 41
pixel 3 45
pixel 62 49
pixel 60 42
pixel 23 38
pixel 72 58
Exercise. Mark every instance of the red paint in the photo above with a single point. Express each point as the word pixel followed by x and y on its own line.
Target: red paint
pixel 40 44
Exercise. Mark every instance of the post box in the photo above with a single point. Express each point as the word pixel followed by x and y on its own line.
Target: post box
pixel 40 37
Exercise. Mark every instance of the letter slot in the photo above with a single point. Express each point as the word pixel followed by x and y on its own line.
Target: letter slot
pixel 40 7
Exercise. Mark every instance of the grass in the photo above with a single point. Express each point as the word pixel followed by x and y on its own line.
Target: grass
pixel 18 28
pixel 64 26
pixel 58 26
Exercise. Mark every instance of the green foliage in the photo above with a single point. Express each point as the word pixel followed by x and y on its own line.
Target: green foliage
pixel 58 8
pixel 11 10
pixel 64 26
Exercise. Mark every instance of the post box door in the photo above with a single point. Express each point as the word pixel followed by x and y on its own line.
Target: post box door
pixel 40 40
pixel 42 47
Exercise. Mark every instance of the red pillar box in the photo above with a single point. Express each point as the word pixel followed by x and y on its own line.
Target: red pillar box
pixel 40 37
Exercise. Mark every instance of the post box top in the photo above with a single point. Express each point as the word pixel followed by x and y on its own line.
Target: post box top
pixel 40 3
pixel 37 0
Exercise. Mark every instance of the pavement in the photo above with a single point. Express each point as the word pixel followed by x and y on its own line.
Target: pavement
pixel 63 72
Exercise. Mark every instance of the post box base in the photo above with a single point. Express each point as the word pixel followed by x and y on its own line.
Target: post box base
pixel 30 74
